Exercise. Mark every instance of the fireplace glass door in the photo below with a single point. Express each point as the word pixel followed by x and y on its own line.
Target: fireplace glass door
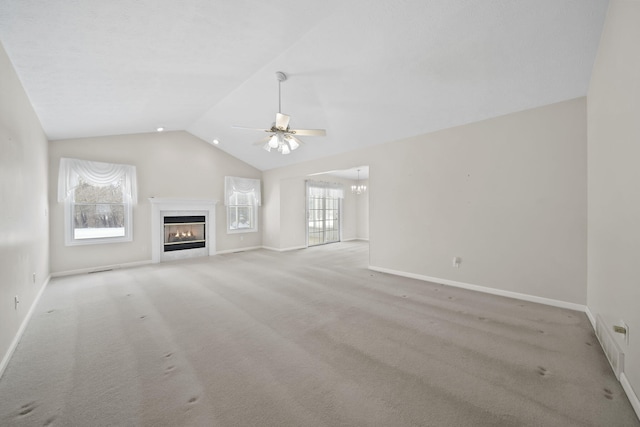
pixel 184 232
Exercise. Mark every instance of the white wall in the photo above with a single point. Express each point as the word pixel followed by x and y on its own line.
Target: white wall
pixel 507 195
pixel 169 164
pixel 24 236
pixel 614 178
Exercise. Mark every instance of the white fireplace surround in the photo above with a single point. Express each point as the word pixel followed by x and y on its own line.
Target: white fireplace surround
pixel 161 207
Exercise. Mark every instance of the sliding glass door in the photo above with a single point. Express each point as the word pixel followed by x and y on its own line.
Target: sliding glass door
pixel 323 212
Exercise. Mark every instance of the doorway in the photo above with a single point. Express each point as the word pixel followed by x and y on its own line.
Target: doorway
pixel 323 213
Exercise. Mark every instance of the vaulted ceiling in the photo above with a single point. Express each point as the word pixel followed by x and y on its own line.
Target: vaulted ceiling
pixel 367 72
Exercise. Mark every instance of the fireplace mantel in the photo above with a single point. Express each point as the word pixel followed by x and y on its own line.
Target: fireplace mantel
pixel 161 207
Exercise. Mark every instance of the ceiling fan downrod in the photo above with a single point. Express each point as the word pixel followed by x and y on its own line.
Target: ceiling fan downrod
pixel 281 77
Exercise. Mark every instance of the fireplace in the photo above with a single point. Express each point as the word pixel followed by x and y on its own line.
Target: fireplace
pixel 184 232
pixel 182 228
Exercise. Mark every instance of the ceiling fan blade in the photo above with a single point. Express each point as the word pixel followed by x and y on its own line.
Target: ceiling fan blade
pixel 309 132
pixel 282 121
pixel 244 128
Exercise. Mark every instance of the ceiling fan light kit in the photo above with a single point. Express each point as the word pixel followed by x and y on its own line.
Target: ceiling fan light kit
pixel 282 137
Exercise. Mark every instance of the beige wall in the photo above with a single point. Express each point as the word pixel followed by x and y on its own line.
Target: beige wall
pixel 169 164
pixel 507 195
pixel 292 213
pixel 614 179
pixel 271 215
pixel 350 214
pixel 24 235
pixel 362 207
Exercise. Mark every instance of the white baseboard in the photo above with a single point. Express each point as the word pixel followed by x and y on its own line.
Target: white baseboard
pixel 292 248
pixel 101 268
pixel 355 238
pixel 591 317
pixel 230 251
pixel 21 329
pixel 484 289
pixel 633 397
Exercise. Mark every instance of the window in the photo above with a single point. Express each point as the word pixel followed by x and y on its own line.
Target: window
pixel 98 200
pixel 242 198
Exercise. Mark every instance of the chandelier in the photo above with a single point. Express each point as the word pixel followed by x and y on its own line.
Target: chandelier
pixel 358 188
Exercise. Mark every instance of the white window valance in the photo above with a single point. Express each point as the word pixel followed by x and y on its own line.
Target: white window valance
pixel 233 184
pixel 95 173
pixel 320 189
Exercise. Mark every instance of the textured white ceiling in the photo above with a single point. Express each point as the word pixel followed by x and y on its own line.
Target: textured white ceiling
pixel 368 72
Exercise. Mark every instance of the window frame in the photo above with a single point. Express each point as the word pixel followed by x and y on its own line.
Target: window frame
pixel 71 240
pixel 250 188
pixel 254 219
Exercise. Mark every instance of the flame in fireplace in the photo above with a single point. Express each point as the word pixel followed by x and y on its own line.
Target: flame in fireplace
pixel 189 229
pixel 184 233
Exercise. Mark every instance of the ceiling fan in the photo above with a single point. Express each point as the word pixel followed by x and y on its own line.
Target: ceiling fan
pixel 281 137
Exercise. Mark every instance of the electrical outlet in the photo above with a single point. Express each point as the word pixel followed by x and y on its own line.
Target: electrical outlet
pixel 626 334
pixel 16 301
pixel 456 262
pixel 34 277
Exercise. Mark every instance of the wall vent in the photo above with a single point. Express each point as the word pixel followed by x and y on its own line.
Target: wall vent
pixel 611 348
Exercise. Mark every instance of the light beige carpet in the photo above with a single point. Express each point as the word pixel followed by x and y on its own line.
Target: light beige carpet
pixel 304 338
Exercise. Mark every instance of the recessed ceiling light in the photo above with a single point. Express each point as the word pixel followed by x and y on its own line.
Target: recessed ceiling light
pixel 216 142
pixel 160 129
